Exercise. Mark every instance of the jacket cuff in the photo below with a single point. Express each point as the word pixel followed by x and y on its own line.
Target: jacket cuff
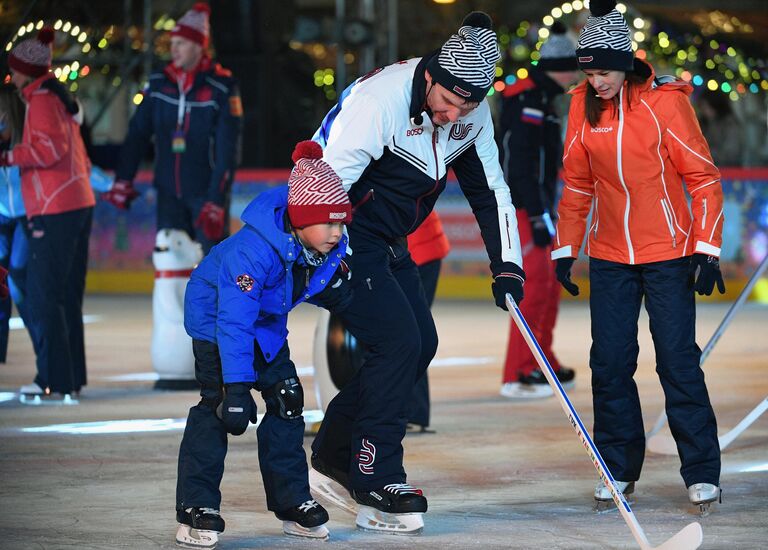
pixel 706 248
pixel 563 252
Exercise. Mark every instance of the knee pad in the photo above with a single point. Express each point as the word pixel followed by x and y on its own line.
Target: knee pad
pixel 285 399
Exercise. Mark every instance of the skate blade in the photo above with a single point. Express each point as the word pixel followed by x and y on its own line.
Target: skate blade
pixel 295 530
pixel 607 506
pixel 371 519
pixel 521 393
pixel 332 492
pixel 187 537
pixel 38 399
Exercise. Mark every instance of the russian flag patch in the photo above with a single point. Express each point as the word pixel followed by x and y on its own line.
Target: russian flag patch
pixel 532 116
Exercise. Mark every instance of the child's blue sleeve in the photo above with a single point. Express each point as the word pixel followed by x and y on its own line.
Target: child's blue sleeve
pixel 240 284
pixel 101 182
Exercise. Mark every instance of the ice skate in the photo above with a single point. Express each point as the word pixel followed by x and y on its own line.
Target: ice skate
pixel 703 495
pixel 397 509
pixel 34 394
pixel 199 528
pixel 567 378
pixel 604 500
pixel 305 520
pixel 327 485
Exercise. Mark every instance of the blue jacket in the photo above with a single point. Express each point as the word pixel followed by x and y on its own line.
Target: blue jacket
pixel 209 116
pixel 242 290
pixel 11 203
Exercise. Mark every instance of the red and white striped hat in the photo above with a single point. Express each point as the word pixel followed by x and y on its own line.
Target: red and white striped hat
pixel 32 57
pixel 315 192
pixel 193 25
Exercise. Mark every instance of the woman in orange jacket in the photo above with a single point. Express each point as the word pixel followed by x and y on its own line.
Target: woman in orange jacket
pixel 633 146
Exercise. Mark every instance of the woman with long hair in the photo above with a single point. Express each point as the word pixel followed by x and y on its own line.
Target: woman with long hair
pixel 633 147
pixel 13 241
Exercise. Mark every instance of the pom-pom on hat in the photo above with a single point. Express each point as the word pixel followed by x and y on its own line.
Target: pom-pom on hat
pixel 194 25
pixel 32 57
pixel 466 64
pixel 604 42
pixel 558 53
pixel 315 192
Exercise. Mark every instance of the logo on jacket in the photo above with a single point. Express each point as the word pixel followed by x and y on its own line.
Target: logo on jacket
pixel 459 131
pixel 414 131
pixel 601 129
pixel 245 282
pixel 366 456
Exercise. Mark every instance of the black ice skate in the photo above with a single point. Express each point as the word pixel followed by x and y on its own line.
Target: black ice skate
pixel 330 484
pixel 536 386
pixel 396 508
pixel 305 520
pixel 199 528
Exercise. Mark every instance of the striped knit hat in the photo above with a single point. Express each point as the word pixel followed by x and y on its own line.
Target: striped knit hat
pixel 558 53
pixel 193 25
pixel 32 57
pixel 315 192
pixel 604 42
pixel 466 64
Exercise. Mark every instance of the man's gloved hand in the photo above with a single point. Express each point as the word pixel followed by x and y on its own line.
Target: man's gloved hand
pixel 709 274
pixel 211 219
pixel 121 195
pixel 237 409
pixel 337 295
pixel 563 271
pixel 541 229
pixel 4 292
pixel 509 279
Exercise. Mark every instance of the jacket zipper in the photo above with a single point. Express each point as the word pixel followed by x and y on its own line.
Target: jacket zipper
pixel 668 216
pixel 437 178
pixel 704 217
pixel 620 167
pixel 368 196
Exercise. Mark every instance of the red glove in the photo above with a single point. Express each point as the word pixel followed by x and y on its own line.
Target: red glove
pixel 4 292
pixel 121 195
pixel 211 219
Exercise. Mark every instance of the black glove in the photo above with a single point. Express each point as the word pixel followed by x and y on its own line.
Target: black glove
pixel 237 409
pixel 563 271
pixel 509 279
pixel 709 274
pixel 540 229
pixel 337 295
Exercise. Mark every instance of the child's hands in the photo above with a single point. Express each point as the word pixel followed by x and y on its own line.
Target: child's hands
pixel 337 295
pixel 237 409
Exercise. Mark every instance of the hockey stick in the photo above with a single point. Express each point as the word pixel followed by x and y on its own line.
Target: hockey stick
pixel 690 537
pixel 665 444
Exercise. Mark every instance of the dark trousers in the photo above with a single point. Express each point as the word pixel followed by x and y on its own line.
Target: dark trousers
pixel 615 296
pixel 282 460
pixel 58 261
pixel 14 256
pixel 418 410
pixel 182 212
pixel 365 423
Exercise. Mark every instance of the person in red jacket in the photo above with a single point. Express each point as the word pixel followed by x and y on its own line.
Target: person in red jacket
pixel 632 149
pixel 428 246
pixel 59 202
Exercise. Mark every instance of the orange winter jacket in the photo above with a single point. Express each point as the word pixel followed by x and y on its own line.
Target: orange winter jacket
pixel 630 170
pixel 428 243
pixel 51 157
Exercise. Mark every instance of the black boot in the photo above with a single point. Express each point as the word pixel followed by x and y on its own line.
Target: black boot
pixel 396 498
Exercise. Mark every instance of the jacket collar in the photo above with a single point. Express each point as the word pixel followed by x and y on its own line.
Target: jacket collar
pixel 419 87
pixel 34 86
pixel 177 75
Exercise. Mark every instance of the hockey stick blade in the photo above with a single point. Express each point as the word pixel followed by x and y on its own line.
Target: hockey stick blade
pixel 661 421
pixel 689 538
pixel 664 444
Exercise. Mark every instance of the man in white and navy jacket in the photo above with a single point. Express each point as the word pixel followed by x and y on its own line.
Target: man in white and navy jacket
pixel 391 138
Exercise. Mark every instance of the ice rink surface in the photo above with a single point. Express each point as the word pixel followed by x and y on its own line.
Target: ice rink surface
pixel 497 474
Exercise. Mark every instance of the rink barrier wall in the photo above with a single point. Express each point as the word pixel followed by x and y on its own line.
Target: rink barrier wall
pixel 120 258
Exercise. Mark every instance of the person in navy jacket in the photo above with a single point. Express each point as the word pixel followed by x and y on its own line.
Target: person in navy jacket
pixel 193 110
pixel 289 251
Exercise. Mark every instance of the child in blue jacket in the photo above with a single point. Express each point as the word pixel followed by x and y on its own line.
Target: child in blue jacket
pixel 289 251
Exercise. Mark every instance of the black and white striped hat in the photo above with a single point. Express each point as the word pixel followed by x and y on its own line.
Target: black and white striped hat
pixel 466 64
pixel 604 42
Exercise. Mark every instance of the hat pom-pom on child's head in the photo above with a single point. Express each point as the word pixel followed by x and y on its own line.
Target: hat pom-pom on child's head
pixel 46 35
pixel 307 150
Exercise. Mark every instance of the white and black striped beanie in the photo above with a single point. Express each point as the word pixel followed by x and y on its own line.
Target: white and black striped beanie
pixel 558 53
pixel 604 42
pixel 466 64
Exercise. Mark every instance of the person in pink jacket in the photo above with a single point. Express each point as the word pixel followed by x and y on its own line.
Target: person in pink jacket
pixel 59 201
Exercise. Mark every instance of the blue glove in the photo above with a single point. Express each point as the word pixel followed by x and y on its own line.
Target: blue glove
pixel 237 409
